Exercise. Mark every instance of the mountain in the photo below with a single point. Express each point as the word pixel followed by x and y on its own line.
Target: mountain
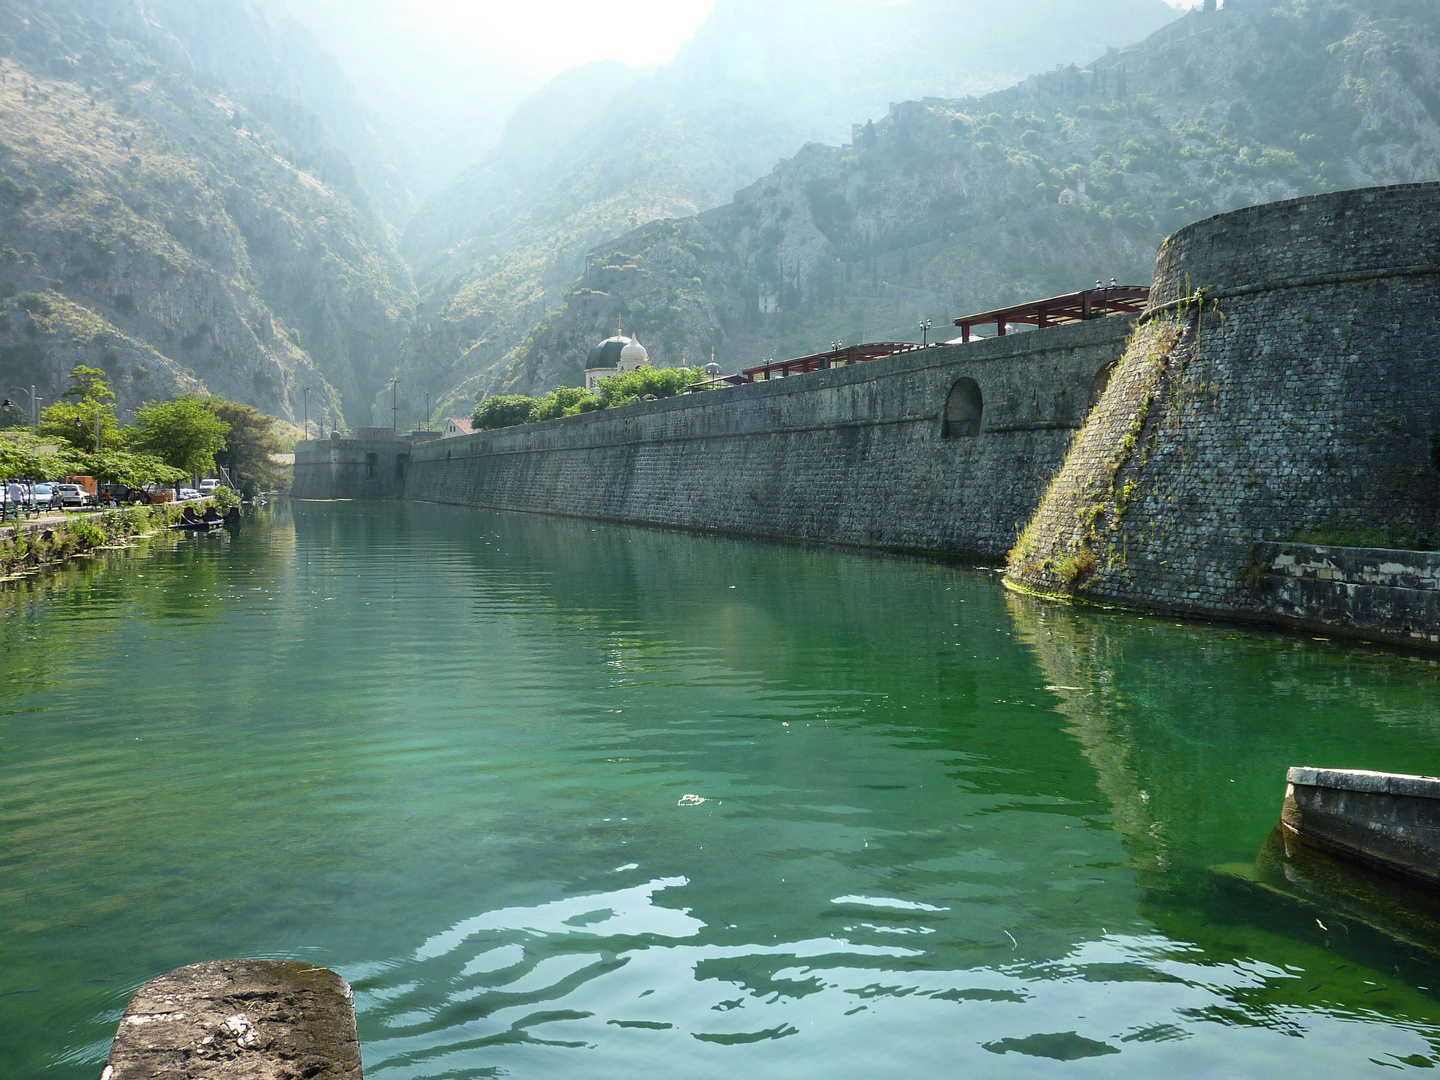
pixel 605 149
pixel 946 206
pixel 173 211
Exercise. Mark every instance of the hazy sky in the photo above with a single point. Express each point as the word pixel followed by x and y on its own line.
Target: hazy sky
pixel 552 35
pixel 557 34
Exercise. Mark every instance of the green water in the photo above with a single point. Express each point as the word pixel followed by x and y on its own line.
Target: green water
pixel 945 831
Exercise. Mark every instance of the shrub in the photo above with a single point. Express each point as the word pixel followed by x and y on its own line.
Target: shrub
pixel 504 410
pixel 34 303
pixel 225 499
pixel 565 401
pixel 1076 567
pixel 662 382
pixel 86 534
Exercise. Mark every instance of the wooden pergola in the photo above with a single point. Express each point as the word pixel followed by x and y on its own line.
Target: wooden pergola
pixel 1058 310
pixel 854 354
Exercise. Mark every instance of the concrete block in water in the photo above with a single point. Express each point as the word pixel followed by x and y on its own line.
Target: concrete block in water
pixel 238 1020
pixel 1385 818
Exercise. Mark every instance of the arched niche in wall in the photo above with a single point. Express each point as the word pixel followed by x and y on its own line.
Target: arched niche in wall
pixel 371 460
pixel 1099 383
pixel 964 410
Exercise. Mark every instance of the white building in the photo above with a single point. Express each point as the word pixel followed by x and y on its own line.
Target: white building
pixel 457 425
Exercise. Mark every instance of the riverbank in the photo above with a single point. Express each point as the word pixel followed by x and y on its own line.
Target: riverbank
pixel 23 550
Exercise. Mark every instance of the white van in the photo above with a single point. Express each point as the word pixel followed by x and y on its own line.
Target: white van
pixel 207 487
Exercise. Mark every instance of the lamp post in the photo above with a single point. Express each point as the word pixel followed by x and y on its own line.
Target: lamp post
pixel 306 398
pixel 34 412
pixel 394 407
pixel 427 410
pixel 925 334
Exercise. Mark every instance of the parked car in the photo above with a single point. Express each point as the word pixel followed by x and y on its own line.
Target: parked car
pixel 187 494
pixel 208 486
pixel 43 496
pixel 71 495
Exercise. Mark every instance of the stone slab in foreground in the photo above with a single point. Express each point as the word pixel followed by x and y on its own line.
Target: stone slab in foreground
pixel 239 1020
pixel 1385 818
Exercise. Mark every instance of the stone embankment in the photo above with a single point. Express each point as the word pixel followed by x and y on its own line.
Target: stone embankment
pixel 1282 382
pixel 33 545
pixel 239 1020
pixel 1386 819
pixel 1374 593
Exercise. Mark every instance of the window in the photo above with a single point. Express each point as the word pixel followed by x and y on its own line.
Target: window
pixel 964 410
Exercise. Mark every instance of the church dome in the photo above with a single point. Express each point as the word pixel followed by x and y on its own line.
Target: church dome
pixel 634 355
pixel 607 353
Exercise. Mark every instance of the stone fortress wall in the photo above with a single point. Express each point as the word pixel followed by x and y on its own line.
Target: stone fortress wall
pixel 1286 378
pixel 859 455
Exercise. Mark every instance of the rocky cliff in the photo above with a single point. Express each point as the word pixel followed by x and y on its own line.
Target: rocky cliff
pixel 168 212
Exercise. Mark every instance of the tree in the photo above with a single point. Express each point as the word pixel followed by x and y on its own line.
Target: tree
pixel 248 446
pixel 23 456
pixel 185 433
pixel 504 410
pixel 130 469
pixel 88 407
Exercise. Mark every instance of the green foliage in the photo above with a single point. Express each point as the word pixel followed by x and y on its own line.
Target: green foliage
pixel 565 401
pixel 504 410
pixel 25 456
pixel 88 383
pixel 131 469
pixel 251 440
pixel 34 303
pixel 185 433
pixel 225 499
pixel 662 382
pixel 76 420
pixel 87 533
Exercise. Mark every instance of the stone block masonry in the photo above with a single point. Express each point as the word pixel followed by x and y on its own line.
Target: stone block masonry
pixel 858 455
pixel 1284 380
pixel 1374 593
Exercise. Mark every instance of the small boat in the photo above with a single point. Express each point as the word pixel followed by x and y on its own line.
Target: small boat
pixel 199 526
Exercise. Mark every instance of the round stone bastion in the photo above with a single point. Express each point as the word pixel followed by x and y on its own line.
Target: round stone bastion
pixel 1284 382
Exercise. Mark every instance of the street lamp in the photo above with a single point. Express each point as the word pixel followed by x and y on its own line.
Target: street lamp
pixel 925 333
pixel 306 398
pixel 394 407
pixel 34 411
